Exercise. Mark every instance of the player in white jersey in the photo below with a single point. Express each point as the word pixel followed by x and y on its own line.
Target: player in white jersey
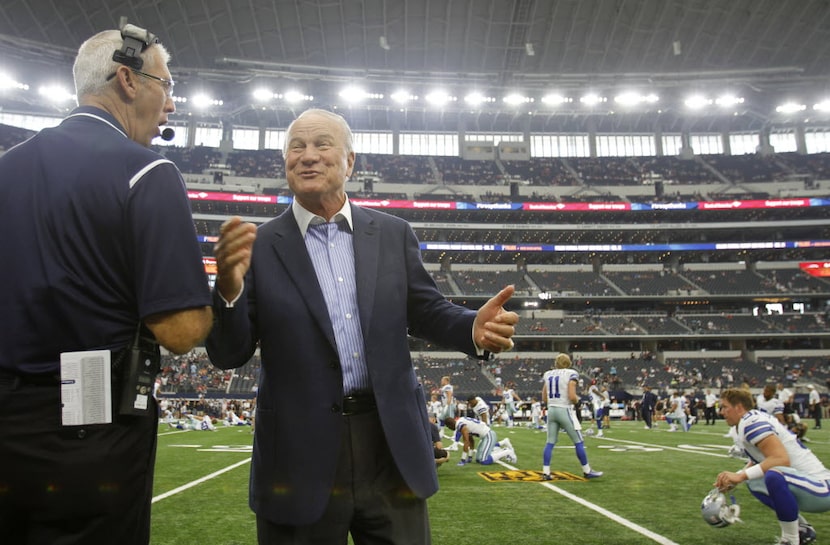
pixel 597 401
pixel 435 407
pixel 447 399
pixel 511 402
pixel 781 473
pixel 489 449
pixel 207 424
pixel 559 392
pixel 480 408
pixel 767 402
pixel 786 396
pixel 677 412
pixel 536 415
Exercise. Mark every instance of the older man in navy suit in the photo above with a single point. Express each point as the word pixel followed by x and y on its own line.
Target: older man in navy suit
pixel 329 291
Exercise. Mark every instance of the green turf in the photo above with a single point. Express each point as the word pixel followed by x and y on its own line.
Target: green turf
pixel 650 493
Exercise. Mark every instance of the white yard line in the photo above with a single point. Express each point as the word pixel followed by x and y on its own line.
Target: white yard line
pixel 679 449
pixel 662 540
pixel 616 518
pixel 191 484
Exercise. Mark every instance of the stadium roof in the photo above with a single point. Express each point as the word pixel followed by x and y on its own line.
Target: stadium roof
pixel 766 51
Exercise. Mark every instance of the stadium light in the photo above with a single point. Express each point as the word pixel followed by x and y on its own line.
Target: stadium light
pixel 352 94
pixel 402 96
pixel 555 99
pixel 823 106
pixel 55 93
pixel 8 82
pixel 726 101
pixel 202 101
pixel 475 98
pixel 262 95
pixel 592 99
pixel 292 96
pixel 697 102
pixel 515 99
pixel 633 99
pixel 439 98
pixel 790 108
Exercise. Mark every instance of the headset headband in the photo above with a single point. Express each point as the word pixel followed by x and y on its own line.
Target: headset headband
pixel 136 40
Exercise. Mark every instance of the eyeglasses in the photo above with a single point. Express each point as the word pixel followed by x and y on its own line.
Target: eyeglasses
pixel 167 84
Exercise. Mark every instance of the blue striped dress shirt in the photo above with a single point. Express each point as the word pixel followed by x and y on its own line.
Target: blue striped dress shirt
pixel 330 246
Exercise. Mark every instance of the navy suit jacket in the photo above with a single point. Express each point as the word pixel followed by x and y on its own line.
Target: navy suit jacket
pixel 298 416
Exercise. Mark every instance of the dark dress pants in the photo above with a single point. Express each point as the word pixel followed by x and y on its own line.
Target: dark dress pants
pixel 78 485
pixel 371 500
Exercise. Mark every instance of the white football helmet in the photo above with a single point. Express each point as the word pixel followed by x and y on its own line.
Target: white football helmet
pixel 717 511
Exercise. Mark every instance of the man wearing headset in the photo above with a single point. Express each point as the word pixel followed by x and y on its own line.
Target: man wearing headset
pixel 103 267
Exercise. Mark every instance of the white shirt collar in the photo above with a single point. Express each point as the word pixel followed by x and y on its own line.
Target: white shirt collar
pixel 305 218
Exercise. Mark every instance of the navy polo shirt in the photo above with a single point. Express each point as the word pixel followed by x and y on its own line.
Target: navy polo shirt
pixel 97 233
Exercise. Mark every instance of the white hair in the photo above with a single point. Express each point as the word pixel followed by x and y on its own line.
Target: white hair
pixel 348 138
pixel 94 63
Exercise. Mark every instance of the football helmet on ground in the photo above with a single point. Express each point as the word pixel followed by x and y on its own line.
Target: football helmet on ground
pixel 718 511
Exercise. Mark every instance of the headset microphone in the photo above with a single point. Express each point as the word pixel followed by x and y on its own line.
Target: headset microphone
pixel 168 134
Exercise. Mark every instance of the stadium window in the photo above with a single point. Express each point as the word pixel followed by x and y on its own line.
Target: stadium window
pixel 373 142
pixel 274 139
pixel 672 144
pixel 429 144
pixel 625 145
pixel 817 141
pixel 494 138
pixel 575 145
pixel 247 139
pixel 783 141
pixel 208 136
pixel 706 144
pixel 559 145
pixel 30 122
pixel 743 143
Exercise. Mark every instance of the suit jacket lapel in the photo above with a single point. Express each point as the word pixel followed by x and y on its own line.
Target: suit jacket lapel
pixel 366 251
pixel 292 252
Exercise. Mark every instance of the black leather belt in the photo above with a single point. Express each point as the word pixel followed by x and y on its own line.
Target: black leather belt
pixel 358 404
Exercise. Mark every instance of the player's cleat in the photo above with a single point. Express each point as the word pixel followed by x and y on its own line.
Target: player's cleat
pixel 806 534
pixel 600 434
pixel 592 474
pixel 462 462
pixel 546 477
pixel 506 444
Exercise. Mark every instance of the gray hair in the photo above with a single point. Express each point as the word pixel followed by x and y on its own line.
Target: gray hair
pixel 94 61
pixel 337 118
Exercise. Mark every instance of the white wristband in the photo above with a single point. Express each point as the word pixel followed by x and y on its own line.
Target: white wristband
pixel 754 472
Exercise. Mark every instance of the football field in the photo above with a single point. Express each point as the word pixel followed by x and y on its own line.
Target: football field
pixel 651 492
